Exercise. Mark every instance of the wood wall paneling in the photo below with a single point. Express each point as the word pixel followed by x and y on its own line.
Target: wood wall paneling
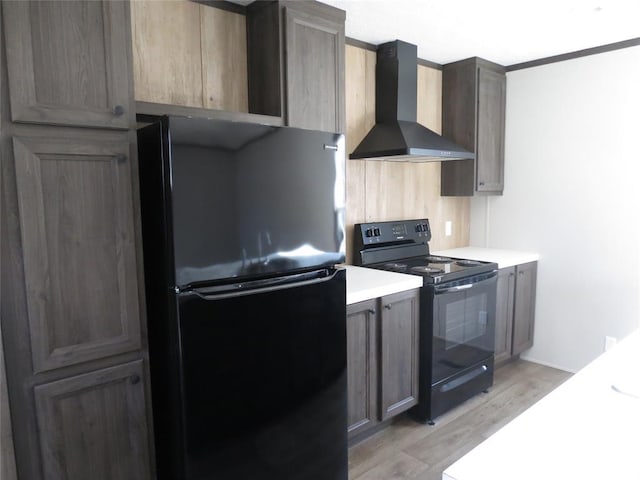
pixel 189 54
pixel 167 61
pixel 360 67
pixel 429 111
pixel 224 59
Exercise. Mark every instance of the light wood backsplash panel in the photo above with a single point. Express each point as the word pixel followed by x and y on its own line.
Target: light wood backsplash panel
pixel 379 191
pixel 167 64
pixel 189 54
pixel 360 85
pixel 224 60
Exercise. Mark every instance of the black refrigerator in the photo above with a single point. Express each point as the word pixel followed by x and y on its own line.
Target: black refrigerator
pixel 243 225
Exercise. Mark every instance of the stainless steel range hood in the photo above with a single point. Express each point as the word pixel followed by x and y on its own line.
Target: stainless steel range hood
pixel 397 136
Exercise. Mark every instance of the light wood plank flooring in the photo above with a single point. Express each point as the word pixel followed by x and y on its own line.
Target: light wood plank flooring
pixel 409 450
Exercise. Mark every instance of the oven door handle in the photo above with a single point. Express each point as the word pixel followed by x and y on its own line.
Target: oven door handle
pixel 454 289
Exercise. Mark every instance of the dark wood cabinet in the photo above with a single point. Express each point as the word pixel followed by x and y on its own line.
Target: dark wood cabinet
pixel 362 365
pixel 515 311
pixel 65 62
pixel 504 313
pixel 76 220
pixel 398 353
pixel 105 408
pixel 295 57
pixel 382 359
pixel 524 308
pixel 473 115
pixel 72 316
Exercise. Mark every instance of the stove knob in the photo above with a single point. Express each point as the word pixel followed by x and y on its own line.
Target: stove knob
pixel 420 228
pixel 376 232
pixel 368 233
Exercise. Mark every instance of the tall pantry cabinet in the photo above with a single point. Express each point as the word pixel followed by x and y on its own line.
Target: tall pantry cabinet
pixel 72 309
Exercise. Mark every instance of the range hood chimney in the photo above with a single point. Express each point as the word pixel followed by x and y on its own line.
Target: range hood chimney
pixel 397 136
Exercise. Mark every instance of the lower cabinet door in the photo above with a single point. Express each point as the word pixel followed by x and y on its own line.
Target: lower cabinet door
pixel 361 366
pixel 504 313
pixel 525 307
pixel 399 323
pixel 93 426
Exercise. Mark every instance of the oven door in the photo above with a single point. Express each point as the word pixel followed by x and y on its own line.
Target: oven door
pixel 463 324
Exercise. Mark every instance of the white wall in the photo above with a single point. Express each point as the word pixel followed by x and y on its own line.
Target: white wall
pixel 572 193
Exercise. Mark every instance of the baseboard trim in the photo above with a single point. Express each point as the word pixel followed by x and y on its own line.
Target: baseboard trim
pixel 546 364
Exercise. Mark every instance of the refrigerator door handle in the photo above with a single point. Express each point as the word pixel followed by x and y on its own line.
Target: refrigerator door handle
pixel 262 286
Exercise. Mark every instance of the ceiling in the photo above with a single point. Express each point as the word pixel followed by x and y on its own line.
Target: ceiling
pixel 503 31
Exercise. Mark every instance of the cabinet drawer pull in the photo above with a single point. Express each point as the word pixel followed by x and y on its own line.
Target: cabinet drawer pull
pixel 118 110
pixel 121 158
pixel 135 379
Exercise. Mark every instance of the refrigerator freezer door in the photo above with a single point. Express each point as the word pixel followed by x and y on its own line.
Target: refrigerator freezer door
pixel 253 200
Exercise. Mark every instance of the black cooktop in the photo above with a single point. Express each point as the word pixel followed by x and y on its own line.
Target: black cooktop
pixel 402 246
pixel 436 269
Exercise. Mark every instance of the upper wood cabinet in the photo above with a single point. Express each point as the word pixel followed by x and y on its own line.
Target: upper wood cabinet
pixel 189 54
pixel 473 115
pixel 296 63
pixel 65 62
pixel 314 53
pixel 76 220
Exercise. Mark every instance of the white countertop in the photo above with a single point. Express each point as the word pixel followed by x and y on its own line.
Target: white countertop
pixel 367 283
pixel 584 429
pixel 504 258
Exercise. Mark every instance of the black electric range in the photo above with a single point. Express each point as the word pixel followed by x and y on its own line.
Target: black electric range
pixel 402 246
pixel 457 311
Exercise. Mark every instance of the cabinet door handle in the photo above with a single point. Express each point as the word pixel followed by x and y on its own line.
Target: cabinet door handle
pixel 121 158
pixel 372 311
pixel 481 184
pixel 118 110
pixel 388 307
pixel 520 273
pixel 135 379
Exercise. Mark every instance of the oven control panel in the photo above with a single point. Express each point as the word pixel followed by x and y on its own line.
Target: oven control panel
pixel 405 231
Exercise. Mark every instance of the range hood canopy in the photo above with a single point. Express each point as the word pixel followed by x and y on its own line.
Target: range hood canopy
pixel 397 135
